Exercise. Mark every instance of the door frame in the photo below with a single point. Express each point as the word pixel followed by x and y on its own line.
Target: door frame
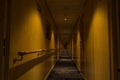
pixel 118 38
pixel 7 38
pixel 114 36
pixel 4 38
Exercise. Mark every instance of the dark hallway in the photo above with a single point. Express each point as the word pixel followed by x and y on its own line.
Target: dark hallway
pixel 65 69
pixel 59 40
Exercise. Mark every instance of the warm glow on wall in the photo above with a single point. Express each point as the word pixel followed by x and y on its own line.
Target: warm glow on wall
pixel 78 39
pixel 72 49
pixel 52 41
pixel 27 33
pixel 78 49
pixel 99 17
pixel 99 27
pixel 34 21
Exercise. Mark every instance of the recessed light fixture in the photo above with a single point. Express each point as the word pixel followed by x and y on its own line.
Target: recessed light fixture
pixel 65 19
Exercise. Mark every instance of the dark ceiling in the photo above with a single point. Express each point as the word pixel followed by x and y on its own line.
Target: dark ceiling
pixel 65 13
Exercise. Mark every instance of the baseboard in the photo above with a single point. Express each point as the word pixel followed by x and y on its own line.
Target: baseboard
pixel 49 72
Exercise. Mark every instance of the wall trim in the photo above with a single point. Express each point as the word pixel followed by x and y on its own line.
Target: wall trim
pixel 49 72
pixel 80 71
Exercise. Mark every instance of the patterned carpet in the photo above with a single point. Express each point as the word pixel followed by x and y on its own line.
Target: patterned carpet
pixel 65 69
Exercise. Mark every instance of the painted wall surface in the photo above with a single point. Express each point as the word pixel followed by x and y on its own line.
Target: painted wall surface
pixel 28 33
pixel 74 38
pixel 76 48
pixel 101 42
pixel 58 47
pixel 72 49
pixel 89 56
pixel 96 43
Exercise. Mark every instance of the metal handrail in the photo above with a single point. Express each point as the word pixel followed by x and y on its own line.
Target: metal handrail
pixel 22 53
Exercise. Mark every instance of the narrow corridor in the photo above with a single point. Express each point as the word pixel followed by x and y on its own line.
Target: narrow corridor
pixel 65 69
pixel 59 40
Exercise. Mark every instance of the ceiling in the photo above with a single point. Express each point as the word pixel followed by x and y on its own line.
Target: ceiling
pixel 65 13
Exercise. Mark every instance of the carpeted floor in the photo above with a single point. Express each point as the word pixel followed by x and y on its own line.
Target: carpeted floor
pixel 65 69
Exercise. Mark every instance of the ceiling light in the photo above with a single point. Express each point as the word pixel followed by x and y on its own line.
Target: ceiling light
pixel 65 19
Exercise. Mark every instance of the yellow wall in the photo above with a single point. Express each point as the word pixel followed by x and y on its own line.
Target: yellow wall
pixel 97 44
pixel 52 41
pixel 101 44
pixel 27 33
pixel 74 38
pixel 72 48
pixel 96 41
pixel 76 46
